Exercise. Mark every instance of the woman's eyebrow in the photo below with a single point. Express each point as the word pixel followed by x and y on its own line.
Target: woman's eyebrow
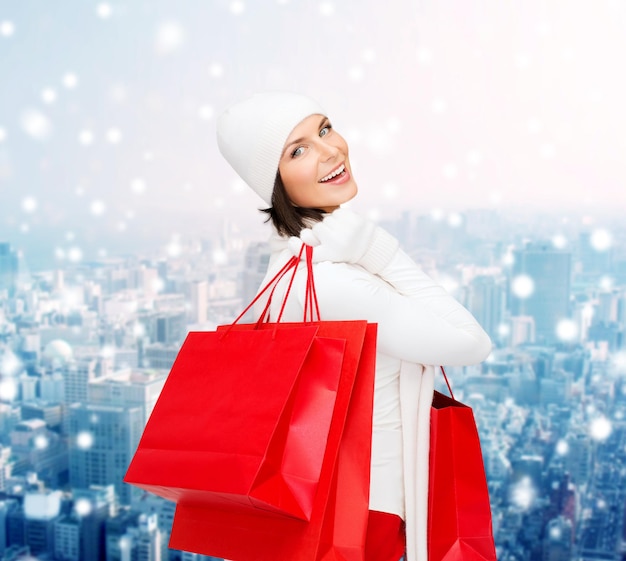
pixel 298 140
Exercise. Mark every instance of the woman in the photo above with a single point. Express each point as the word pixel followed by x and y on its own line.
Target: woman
pixel 283 145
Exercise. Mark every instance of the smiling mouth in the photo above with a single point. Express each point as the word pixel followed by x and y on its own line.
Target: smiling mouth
pixel 338 171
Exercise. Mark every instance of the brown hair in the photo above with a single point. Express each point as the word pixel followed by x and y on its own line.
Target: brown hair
pixel 287 218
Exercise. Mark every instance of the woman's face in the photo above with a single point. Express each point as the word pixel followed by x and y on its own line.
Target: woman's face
pixel 315 168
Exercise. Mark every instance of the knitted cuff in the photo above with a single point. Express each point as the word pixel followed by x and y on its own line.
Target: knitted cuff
pixel 383 247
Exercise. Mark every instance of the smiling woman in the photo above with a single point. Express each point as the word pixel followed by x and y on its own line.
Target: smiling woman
pixel 284 146
pixel 314 166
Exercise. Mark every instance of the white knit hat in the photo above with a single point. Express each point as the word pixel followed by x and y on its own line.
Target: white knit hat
pixel 251 135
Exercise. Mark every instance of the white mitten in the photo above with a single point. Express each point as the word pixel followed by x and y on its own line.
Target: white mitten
pixel 346 237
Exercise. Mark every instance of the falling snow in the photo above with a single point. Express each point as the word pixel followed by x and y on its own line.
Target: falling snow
pixel 600 428
pixel 103 10
pixel 567 330
pixel 8 389
pixel 601 240
pixel 83 507
pixel 36 124
pixel 138 185
pixel 97 208
pixel 523 286
pixel 84 440
pixel 7 28
pixel 85 137
pixel 70 80
pixel 48 96
pixel 170 37
pixel 29 204
pixel 327 8
pixel 524 493
pixel 114 135
pixel 237 7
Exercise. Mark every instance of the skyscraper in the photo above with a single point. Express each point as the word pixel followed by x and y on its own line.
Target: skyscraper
pixel 255 266
pixel 199 295
pixel 487 302
pixel 544 292
pixel 41 511
pixel 103 439
pixel 8 268
pixel 558 540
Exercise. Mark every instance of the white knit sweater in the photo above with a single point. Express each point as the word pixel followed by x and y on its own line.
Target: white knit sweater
pixel 419 324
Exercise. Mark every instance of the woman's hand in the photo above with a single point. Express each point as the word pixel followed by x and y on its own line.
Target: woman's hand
pixel 346 237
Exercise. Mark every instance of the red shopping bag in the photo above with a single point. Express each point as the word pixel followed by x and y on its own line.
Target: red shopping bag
pixel 336 530
pixel 459 515
pixel 218 431
pixel 246 437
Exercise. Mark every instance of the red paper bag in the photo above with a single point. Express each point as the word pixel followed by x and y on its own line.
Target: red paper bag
pixel 459 515
pixel 232 401
pixel 336 530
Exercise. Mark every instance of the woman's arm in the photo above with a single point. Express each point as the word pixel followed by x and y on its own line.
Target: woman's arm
pixel 362 274
pixel 424 324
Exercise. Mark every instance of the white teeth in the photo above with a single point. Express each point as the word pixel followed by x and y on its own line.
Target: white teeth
pixel 339 170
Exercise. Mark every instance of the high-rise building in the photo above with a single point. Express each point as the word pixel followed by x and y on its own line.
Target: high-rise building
pixel 144 540
pixel 199 296
pixel 52 387
pixel 9 264
pixel 595 258
pixel 6 506
pixel 168 327
pixel 487 302
pixel 10 416
pixel 129 388
pixel 38 449
pixel 103 439
pixel 256 260
pixel 160 356
pixel 50 413
pixel 67 538
pixel 558 540
pixel 543 272
pixel 6 464
pixel 83 529
pixel 116 546
pixel 41 511
pixel 77 375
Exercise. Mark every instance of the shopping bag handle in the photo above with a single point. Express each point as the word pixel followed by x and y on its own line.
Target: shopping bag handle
pixel 311 306
pixel 445 377
pixel 271 284
pixel 310 301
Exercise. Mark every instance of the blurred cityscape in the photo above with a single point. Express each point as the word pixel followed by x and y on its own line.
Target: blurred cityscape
pixel 85 350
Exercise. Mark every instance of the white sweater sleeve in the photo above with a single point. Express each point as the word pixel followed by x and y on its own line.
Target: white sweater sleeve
pixel 418 321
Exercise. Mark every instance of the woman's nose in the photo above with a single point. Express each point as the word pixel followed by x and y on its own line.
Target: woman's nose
pixel 329 151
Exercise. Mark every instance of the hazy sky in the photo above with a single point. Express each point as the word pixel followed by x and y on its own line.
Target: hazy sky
pixel 107 109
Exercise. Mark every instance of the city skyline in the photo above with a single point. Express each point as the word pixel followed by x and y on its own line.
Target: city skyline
pixel 86 348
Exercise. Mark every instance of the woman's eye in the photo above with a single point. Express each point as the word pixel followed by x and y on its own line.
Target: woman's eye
pixel 325 130
pixel 297 152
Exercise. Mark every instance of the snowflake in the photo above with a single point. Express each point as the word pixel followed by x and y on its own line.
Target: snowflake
pixel 83 507
pixel 601 239
pixel 84 440
pixel 170 37
pixel 103 10
pixel 523 286
pixel 7 28
pixel 600 428
pixel 35 124
pixel 567 330
pixel 70 80
pixel 29 204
